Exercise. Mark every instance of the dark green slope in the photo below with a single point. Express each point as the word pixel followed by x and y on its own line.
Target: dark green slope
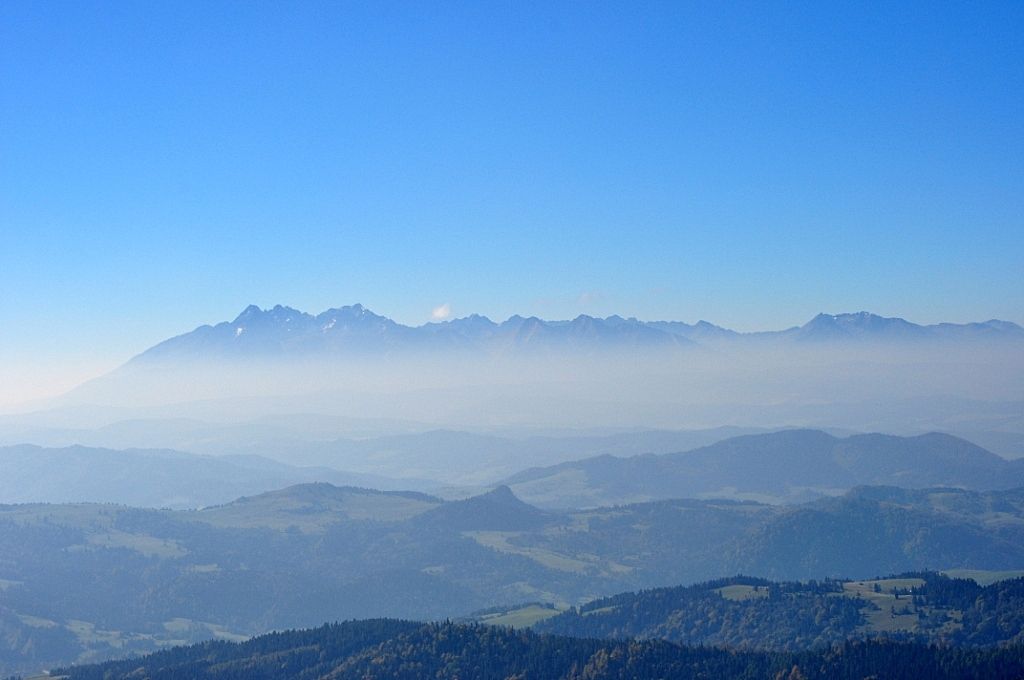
pixel 753 613
pixel 371 650
pixel 298 654
pixel 885 530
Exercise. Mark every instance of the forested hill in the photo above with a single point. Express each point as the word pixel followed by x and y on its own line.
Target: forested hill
pixel 86 582
pixel 753 613
pixel 377 649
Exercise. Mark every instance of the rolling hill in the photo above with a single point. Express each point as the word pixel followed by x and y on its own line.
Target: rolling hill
pixel 779 467
pixel 752 613
pixel 152 478
pixel 91 581
pixel 453 457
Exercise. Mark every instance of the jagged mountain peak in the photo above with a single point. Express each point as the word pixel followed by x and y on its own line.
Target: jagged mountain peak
pixel 501 494
pixel 350 311
pixel 858 324
pixel 861 318
pixel 497 509
pixel 354 329
pixel 249 312
pixel 277 313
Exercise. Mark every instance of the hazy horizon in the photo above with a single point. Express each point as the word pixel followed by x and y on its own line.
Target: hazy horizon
pixel 54 380
pixel 751 166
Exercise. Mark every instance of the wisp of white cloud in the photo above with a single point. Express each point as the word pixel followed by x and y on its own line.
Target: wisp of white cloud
pixel 441 312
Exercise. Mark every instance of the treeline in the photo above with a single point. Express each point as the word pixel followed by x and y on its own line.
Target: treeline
pixel 990 614
pixel 309 653
pixel 787 616
pixel 793 616
pixel 378 649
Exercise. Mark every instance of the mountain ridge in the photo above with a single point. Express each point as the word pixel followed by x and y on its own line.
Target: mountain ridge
pixel 153 477
pixel 783 466
pixel 283 330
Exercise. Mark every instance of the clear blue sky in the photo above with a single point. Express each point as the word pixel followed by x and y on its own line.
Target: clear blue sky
pixel 164 164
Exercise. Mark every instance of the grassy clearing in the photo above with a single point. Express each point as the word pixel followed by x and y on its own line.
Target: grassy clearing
pixel 499 540
pixel 90 635
pixel 141 543
pixel 982 577
pixel 893 612
pixel 525 592
pixel 588 564
pixel 740 593
pixel 523 617
pixel 312 514
pixel 599 611
pixel 190 629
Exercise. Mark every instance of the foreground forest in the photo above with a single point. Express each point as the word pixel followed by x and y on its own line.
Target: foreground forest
pixel 374 649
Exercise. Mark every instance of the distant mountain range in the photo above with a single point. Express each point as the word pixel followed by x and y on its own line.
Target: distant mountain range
pixel 854 371
pixel 286 332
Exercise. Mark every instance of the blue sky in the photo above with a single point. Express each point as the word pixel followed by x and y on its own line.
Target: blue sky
pixel 164 164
